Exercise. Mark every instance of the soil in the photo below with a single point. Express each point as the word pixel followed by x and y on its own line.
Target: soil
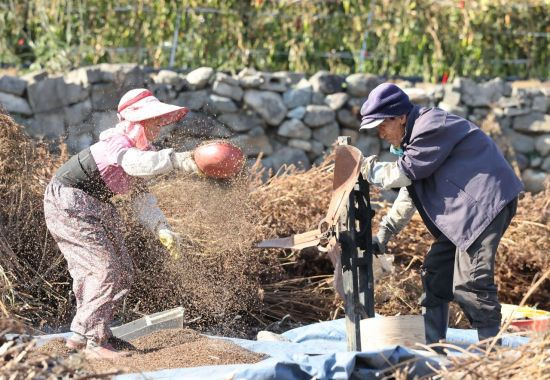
pixel 173 348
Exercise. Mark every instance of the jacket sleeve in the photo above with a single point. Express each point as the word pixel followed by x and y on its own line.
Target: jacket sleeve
pixel 146 164
pixel 386 175
pixel 148 213
pixel 429 148
pixel 400 213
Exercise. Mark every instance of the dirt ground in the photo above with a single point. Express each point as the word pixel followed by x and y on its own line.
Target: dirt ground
pixel 174 348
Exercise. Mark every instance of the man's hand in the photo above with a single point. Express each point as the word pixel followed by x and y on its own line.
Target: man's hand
pixel 171 241
pixel 381 239
pixel 184 161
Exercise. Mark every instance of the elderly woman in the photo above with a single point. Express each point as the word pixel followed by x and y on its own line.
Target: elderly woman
pixel 86 225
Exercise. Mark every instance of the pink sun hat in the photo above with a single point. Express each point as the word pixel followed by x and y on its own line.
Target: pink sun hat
pixel 140 105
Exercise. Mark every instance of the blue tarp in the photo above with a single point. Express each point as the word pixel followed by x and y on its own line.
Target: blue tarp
pixel 314 351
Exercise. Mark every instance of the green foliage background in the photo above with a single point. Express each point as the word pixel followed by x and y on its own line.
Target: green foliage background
pixel 386 37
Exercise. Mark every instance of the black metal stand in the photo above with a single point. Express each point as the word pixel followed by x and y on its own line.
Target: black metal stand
pixel 356 244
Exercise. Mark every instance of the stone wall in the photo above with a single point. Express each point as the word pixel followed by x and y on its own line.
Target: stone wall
pixel 287 116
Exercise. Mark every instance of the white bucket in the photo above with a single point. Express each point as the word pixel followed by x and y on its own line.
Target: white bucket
pixel 403 330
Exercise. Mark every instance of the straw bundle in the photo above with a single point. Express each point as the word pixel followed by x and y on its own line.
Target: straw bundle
pixel 34 283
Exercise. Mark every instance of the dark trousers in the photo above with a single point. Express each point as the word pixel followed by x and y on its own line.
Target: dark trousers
pixel 467 277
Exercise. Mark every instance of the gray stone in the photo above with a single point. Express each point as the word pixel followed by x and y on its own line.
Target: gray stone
pixel 317 115
pixel 533 122
pixel 251 81
pixel 327 134
pixel 304 145
pixel 242 121
pixel 457 110
pixel 46 94
pixel 297 113
pixel 418 96
pixel 218 104
pixel 200 125
pixel 368 145
pixel 78 113
pixel 515 101
pixel 326 82
pixel 451 95
pixel 274 82
pixel 355 105
pixel 253 145
pixel 347 119
pixel 250 78
pixel 48 124
pixel 130 76
pixel 227 79
pixel 199 78
pixel 546 165
pixel 194 100
pixel 353 133
pixel 12 85
pixel 317 148
pixel 76 143
pixel 77 86
pixel 360 85
pixel 483 94
pixel 522 160
pixel 103 73
pixel 292 78
pixel 294 128
pixel 256 131
pixel 289 156
pixel 521 143
pixel 299 96
pixel 318 98
pixel 105 96
pixel 337 100
pixel 227 90
pixel 103 120
pixel 510 112
pixel 534 180
pixel 168 77
pixel 163 92
pixel 269 105
pixel 540 103
pixel 542 144
pixel 536 161
pixel 14 104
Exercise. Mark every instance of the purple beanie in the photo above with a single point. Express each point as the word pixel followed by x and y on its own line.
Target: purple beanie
pixel 385 101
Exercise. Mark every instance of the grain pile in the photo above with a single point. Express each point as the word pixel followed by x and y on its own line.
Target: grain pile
pixel 174 348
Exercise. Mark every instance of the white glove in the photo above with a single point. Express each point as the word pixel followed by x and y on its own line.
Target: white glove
pixel 171 241
pixel 184 161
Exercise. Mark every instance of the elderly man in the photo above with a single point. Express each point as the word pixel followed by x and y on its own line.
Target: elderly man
pixel 465 192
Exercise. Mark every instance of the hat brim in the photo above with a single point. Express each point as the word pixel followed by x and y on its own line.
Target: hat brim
pixel 154 112
pixel 368 124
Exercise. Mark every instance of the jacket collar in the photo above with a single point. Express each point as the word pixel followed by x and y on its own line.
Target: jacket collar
pixel 411 119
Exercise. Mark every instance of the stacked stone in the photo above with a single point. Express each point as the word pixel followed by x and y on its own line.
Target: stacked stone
pixel 287 117
pixel 522 113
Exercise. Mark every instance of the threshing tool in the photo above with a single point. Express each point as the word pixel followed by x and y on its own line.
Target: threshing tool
pixel 345 233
